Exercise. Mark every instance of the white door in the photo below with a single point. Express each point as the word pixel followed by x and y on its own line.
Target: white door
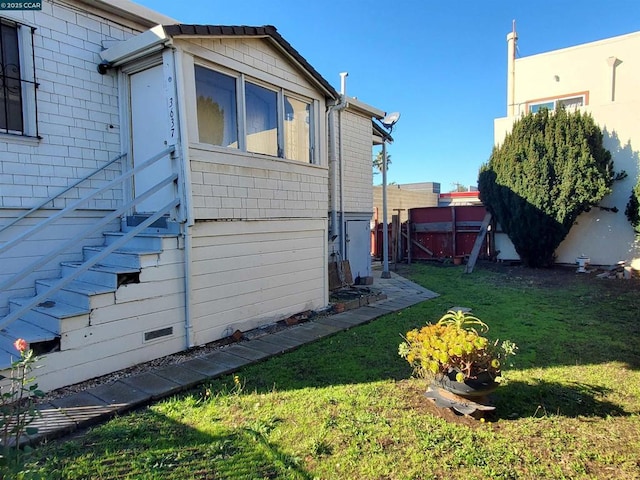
pixel 149 119
pixel 359 247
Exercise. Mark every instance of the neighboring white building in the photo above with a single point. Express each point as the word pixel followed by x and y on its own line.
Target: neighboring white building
pixel 232 226
pixel 600 78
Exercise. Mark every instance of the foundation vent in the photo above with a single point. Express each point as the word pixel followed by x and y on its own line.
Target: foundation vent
pixel 155 334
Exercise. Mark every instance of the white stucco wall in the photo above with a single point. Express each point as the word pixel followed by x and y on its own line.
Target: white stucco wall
pixel 607 72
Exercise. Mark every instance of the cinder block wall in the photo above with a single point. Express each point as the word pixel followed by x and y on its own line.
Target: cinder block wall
pixel 405 197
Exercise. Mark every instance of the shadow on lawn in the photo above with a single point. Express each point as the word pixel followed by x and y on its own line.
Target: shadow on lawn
pixel 541 398
pixel 154 445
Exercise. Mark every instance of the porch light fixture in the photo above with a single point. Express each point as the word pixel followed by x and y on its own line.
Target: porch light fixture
pixel 388 122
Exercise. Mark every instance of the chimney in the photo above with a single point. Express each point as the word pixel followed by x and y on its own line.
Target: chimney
pixel 512 40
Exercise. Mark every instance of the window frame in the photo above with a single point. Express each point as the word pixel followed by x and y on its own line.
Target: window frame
pixel 28 81
pixel 312 125
pixel 235 99
pixel 533 106
pixel 241 105
pixel 278 119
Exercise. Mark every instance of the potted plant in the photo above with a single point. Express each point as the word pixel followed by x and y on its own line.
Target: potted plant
pixel 454 354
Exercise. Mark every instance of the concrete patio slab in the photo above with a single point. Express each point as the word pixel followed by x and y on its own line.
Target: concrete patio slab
pixel 83 408
pixel 335 321
pixel 224 358
pixel 120 395
pixel 152 384
pixel 244 350
pixel 270 348
pixel 51 423
pixel 206 366
pixel 297 334
pixel 319 329
pixel 280 339
pixel 181 375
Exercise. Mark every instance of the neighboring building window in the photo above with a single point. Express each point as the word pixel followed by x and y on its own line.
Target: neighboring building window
pixel 298 130
pixel 536 107
pixel 262 120
pixel 217 108
pixel 234 112
pixel 569 103
pixel 17 80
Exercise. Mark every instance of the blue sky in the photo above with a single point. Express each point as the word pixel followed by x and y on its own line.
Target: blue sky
pixel 441 64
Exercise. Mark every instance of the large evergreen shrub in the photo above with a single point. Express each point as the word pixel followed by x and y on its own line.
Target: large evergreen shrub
pixel 549 169
pixel 633 207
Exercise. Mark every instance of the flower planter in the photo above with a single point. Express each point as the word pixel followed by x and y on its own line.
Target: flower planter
pixel 470 388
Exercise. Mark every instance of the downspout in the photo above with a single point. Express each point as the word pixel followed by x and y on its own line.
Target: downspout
pixel 186 210
pixel 335 162
pixel 343 237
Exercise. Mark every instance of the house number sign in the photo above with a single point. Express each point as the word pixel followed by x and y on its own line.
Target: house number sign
pixel 170 90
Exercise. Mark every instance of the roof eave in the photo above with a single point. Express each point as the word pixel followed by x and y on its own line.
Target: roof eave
pixel 267 32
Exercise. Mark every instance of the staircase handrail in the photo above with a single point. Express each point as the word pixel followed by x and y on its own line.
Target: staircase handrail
pixel 6 246
pixel 63 282
pixel 59 194
pixel 26 271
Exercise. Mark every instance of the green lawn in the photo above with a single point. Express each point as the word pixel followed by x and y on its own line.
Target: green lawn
pixel 346 408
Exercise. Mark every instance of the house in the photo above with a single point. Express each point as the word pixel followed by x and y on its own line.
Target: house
pixel 164 185
pixel 452 199
pixel 599 78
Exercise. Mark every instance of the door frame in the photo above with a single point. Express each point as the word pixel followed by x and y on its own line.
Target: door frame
pixel 124 87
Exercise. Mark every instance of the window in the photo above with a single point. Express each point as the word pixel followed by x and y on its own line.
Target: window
pixel 262 120
pixel 216 106
pixel 297 130
pixel 237 113
pixel 569 103
pixel 535 108
pixel 17 80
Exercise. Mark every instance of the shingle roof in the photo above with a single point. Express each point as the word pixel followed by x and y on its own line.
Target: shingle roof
pixel 265 31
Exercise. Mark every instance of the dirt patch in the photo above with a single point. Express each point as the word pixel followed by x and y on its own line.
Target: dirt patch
pixel 413 395
pixel 558 275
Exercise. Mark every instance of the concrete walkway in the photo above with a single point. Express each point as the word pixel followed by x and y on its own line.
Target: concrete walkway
pixel 64 415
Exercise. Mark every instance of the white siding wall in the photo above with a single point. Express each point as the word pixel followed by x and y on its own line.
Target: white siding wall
pixel 231 185
pixel 357 162
pixel 78 123
pixel 614 103
pixel 259 239
pixel 247 274
pixel 77 109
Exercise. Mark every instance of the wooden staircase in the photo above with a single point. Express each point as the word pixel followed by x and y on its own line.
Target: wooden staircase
pixel 68 320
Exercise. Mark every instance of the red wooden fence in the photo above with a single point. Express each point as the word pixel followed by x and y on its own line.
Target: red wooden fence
pixel 433 232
